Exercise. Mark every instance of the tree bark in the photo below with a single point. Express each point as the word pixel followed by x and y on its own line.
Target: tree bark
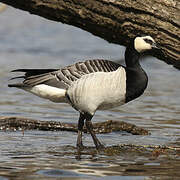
pixel 116 21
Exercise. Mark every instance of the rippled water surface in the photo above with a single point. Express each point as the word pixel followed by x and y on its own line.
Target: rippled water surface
pixel 28 41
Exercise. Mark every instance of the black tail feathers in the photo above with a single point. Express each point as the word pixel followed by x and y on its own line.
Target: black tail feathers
pixel 34 72
pixel 17 85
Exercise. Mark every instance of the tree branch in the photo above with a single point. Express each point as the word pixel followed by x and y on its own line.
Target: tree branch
pixel 116 21
pixel 17 123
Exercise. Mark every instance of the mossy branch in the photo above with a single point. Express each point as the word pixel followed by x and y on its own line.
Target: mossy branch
pixel 21 123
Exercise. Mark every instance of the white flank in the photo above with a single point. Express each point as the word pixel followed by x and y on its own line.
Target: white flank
pixel 100 90
pixel 48 92
pixel 140 45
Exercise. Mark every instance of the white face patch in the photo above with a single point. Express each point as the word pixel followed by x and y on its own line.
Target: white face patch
pixel 141 45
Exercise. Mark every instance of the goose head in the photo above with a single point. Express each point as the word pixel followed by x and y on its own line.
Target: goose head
pixel 145 43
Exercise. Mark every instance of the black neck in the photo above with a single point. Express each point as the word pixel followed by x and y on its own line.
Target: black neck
pixel 136 78
pixel 132 58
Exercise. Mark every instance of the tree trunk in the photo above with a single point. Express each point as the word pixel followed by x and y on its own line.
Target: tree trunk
pixel 116 21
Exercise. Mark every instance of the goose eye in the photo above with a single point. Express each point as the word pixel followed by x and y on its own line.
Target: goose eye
pixel 149 41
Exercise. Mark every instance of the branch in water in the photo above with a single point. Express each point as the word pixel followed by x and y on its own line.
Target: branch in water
pixel 21 123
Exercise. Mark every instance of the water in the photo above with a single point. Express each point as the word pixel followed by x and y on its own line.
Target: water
pixel 28 41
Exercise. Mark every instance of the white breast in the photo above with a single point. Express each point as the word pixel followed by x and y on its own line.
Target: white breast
pixel 100 90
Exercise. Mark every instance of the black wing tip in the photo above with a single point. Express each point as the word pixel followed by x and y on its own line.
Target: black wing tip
pixel 17 70
pixel 18 77
pixel 34 71
pixel 21 70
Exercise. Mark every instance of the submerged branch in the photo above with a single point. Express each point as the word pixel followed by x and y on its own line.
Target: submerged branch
pixel 130 150
pixel 153 150
pixel 21 123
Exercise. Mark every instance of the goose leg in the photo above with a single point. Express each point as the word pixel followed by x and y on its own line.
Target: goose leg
pixel 89 127
pixel 80 129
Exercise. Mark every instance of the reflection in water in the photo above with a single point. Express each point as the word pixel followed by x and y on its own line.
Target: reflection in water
pixel 29 41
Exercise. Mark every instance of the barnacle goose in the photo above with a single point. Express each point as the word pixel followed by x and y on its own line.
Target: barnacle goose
pixel 91 85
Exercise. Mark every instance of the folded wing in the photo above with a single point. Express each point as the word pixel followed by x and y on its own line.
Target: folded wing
pixel 64 77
